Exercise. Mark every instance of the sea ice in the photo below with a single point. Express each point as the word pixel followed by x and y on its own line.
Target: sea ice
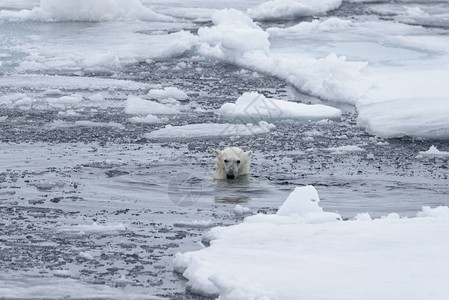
pixel 415 117
pixel 195 224
pixel 137 106
pixel 211 130
pixel 29 287
pixel 433 151
pixel 57 83
pixel 167 92
pixel 241 210
pixel 234 34
pixel 405 94
pixel 95 228
pixel 82 123
pixel 85 10
pixel 290 9
pixel 244 43
pixel 303 252
pixel 148 119
pixel 344 149
pixel 254 106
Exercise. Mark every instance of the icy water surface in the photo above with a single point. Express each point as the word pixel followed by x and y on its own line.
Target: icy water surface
pixel 97 202
pixel 145 200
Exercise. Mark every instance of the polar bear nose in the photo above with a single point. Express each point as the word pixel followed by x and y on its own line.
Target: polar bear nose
pixel 230 176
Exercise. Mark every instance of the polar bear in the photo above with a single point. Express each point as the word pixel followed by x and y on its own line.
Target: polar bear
pixel 231 162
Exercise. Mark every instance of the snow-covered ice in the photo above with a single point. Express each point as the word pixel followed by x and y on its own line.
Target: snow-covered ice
pixel 255 106
pixel 95 228
pixel 29 287
pixel 290 9
pixel 405 93
pixel 343 149
pixel 168 93
pixel 138 106
pixel 195 224
pixel 332 77
pixel 375 64
pixel 305 252
pixel 241 210
pixel 211 130
pixel 433 151
pixel 85 10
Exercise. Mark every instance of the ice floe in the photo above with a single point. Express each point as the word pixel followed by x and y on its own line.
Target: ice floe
pixel 211 130
pixel 85 10
pixel 290 9
pixel 254 106
pixel 94 228
pixel 138 106
pixel 307 253
pixel 433 151
pixel 244 43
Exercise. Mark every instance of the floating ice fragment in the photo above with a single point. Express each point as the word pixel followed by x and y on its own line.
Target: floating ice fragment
pixel 211 130
pixel 240 210
pixel 433 151
pixel 303 202
pixel 137 106
pixel 95 228
pixel 254 106
pixel 289 9
pixel 195 224
pixel 167 92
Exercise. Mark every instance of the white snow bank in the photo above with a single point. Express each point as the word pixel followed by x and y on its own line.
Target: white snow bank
pixel 237 39
pixel 85 10
pixel 29 287
pixel 254 106
pixel 137 106
pixel 106 229
pixel 433 151
pixel 305 253
pixel 289 9
pixel 211 130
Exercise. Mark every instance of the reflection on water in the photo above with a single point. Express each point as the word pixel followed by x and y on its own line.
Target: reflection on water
pixel 241 180
pixel 239 190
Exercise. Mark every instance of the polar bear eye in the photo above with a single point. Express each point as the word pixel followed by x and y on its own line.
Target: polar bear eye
pixel 226 161
pixel 238 161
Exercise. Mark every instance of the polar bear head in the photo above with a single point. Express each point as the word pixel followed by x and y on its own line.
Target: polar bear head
pixel 231 162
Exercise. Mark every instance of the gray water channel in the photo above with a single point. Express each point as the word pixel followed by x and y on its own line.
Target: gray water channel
pixel 162 192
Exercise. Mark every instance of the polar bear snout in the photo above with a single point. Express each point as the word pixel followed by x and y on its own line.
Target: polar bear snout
pixel 230 176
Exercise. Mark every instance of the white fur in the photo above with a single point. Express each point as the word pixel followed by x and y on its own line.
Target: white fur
pixel 231 162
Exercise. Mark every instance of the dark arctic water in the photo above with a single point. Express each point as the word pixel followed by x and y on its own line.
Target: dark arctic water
pixel 51 178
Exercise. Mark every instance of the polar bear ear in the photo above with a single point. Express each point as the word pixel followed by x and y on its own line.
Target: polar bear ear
pixel 217 152
pixel 249 153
